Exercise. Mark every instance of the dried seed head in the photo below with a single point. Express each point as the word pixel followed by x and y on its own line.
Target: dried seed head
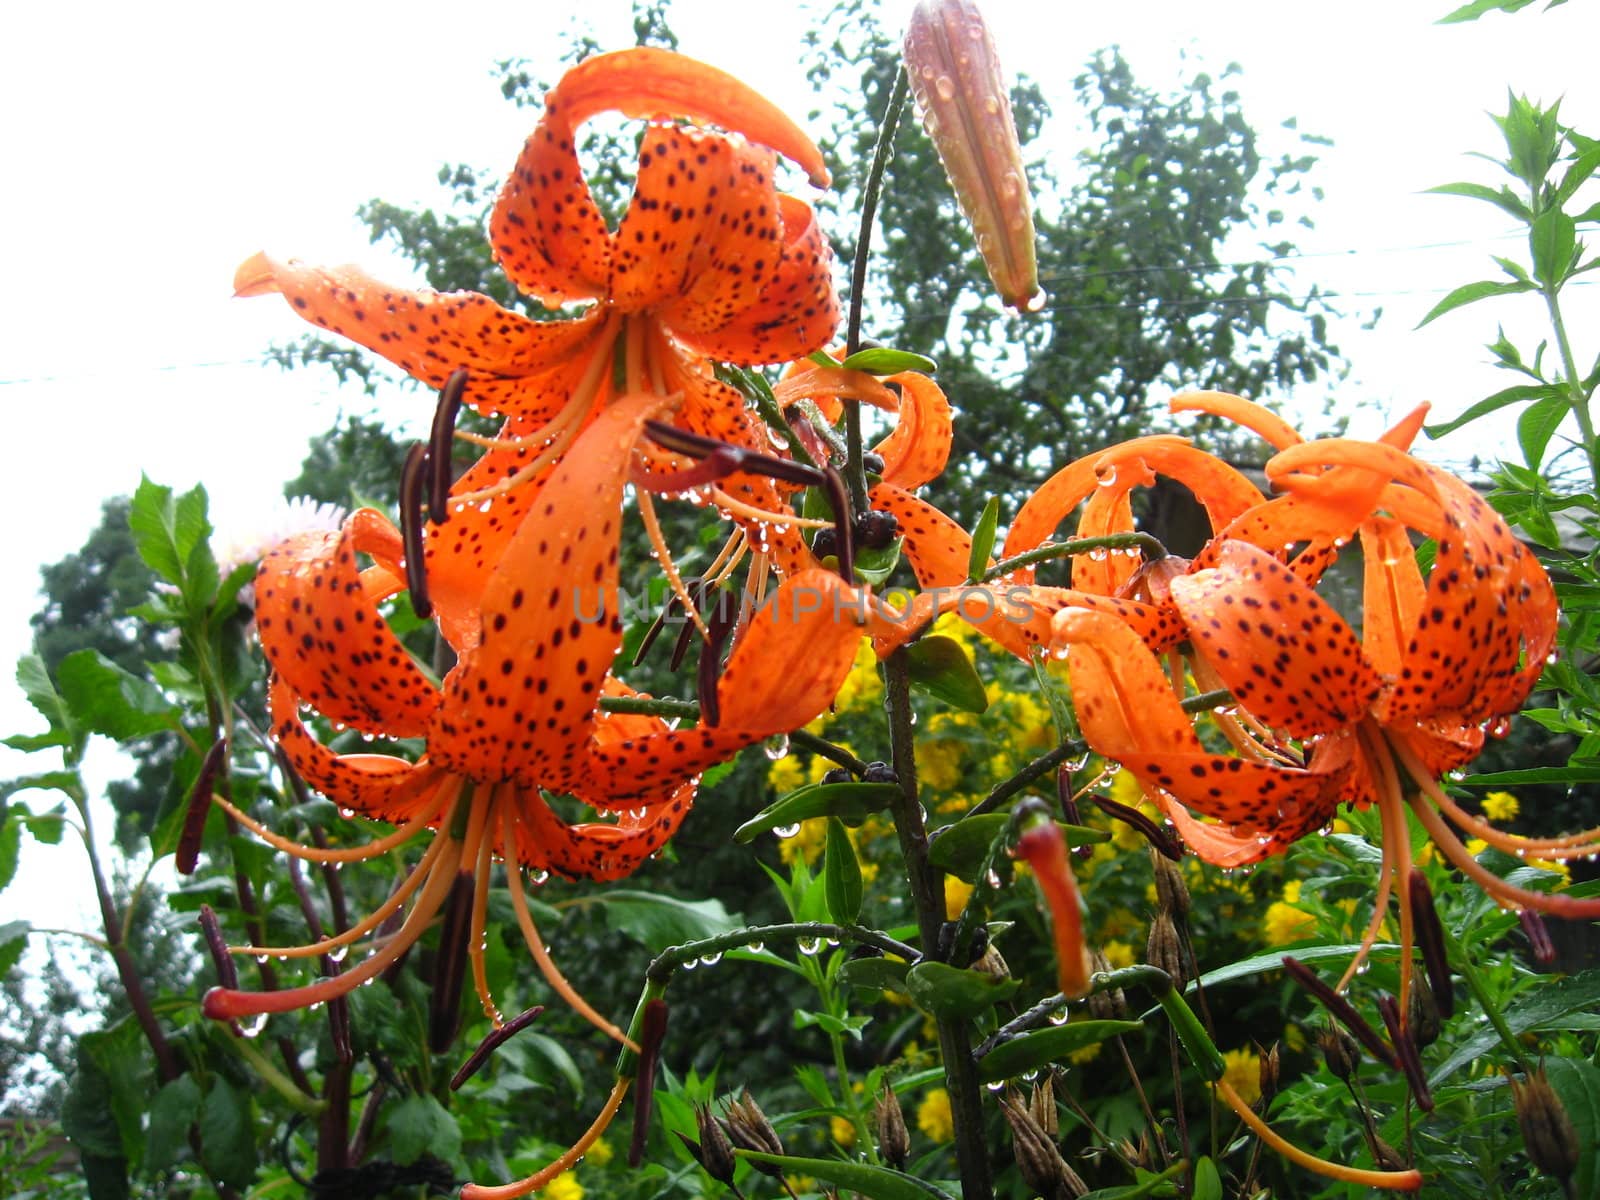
pixel 714 1153
pixel 1041 1164
pixel 1164 950
pixel 749 1129
pixel 1386 1156
pixel 992 964
pixel 1110 1004
pixel 1042 1106
pixel 1172 894
pixel 1547 1131
pixel 894 1143
pixel 1267 1073
pixel 1339 1051
pixel 1422 1014
pixel 955 75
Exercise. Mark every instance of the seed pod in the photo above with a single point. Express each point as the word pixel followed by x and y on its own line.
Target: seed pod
pixel 1172 894
pixel 955 75
pixel 713 1153
pixel 1339 1051
pixel 1041 1164
pixel 894 1143
pixel 749 1129
pixel 1164 950
pixel 1547 1131
pixel 1042 1106
pixel 1109 1004
pixel 1267 1074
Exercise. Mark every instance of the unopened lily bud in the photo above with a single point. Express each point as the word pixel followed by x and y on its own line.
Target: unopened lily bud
pixel 1172 894
pixel 1041 845
pixel 894 1143
pixel 1339 1051
pixel 955 75
pixel 1041 1164
pixel 1164 950
pixel 749 1129
pixel 1547 1131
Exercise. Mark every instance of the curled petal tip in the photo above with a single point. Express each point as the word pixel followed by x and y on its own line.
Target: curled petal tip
pixel 256 276
pixel 218 1004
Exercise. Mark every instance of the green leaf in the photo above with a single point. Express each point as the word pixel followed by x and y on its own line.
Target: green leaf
pixel 1577 174
pixel 1568 775
pixel 1033 1050
pixel 10 850
pixel 839 1026
pixel 34 680
pixel 174 1109
pixel 879 1183
pixel 110 701
pixel 1148 1184
pixel 945 991
pixel 962 848
pixel 983 540
pixel 170 535
pixel 1477 8
pixel 1207 1183
pixel 1577 1086
pixel 104 1108
pixel 1552 240
pixel 1273 961
pixel 1502 198
pixel 420 1125
pixel 227 1138
pixel 851 802
pixel 66 782
pixel 659 921
pixel 874 974
pixel 13 940
pixel 1511 395
pixel 1537 424
pixel 551 1064
pixel 881 360
pixel 875 566
pixel 1529 1011
pixel 841 875
pixel 1471 293
pixel 940 666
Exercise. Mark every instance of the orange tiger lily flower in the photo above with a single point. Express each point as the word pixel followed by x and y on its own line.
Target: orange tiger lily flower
pixel 519 716
pixel 708 263
pixel 1443 661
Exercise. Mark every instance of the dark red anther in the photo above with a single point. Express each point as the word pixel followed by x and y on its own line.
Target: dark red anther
pixel 1538 934
pixel 1341 1009
pixel 412 478
pixel 696 588
pixel 1167 845
pixel 439 445
pixel 1069 807
pixel 652 1032
pixel 495 1039
pixel 1430 937
pixel 1406 1051
pixel 724 615
pixel 718 460
pixel 444 1010
pixel 839 501
pixel 194 821
pixel 227 974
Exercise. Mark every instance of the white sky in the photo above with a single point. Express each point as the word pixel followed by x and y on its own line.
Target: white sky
pixel 149 149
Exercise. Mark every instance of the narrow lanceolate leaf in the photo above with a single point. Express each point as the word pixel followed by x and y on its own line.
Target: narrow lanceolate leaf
pixel 983 540
pixel 850 802
pixel 842 875
pixel 881 360
pixel 1470 293
pixel 1537 423
pixel 955 75
pixel 879 1183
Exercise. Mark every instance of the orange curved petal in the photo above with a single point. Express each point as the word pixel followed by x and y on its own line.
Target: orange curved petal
pixel 918 448
pixel 592 849
pixel 513 364
pixel 520 703
pixel 1392 593
pixel 1284 653
pixel 1262 422
pixel 323 635
pixel 795 313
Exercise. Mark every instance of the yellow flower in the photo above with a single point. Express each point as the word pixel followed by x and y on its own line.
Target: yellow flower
pixel 939 763
pixel 1284 922
pixel 786 775
pixel 842 1131
pixel 564 1186
pixel 1555 866
pixel 1476 846
pixel 806 845
pixel 1242 1071
pixel 600 1153
pixel 801 1185
pixel 1085 1054
pixel 1501 806
pixel 1119 954
pixel 956 894
pixel 933 1116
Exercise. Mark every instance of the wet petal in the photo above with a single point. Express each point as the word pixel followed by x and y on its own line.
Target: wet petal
pixel 918 448
pixel 1282 650
pixel 324 636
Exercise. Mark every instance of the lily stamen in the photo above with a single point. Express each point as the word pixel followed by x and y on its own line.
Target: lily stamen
pixel 442 433
pixel 375 848
pixel 510 1191
pixel 647 513
pixel 412 481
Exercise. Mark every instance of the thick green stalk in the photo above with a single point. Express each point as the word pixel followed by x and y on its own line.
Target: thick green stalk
pixel 927 894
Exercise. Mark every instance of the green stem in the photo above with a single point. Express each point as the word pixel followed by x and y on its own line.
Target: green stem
pixel 855 472
pixel 650 707
pixel 1461 961
pixel 276 1079
pixel 927 894
pixel 1152 547
pixel 1576 396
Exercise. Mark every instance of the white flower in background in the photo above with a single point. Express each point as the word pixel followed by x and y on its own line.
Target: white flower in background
pixel 248 541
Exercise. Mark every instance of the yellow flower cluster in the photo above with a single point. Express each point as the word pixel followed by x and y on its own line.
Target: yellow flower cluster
pixel 933 1116
pixel 1284 921
pixel 1242 1071
pixel 1501 806
pixel 564 1186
